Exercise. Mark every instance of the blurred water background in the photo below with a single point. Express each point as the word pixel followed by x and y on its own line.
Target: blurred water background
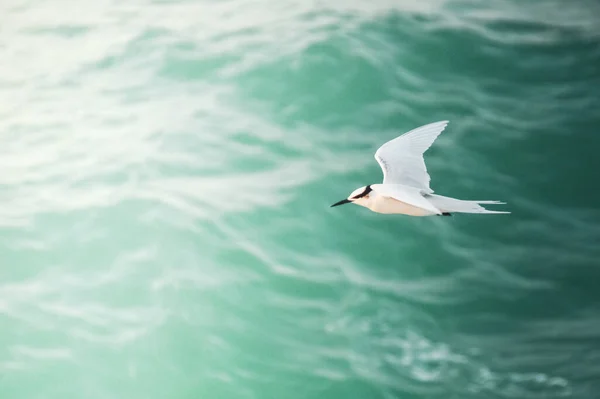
pixel 166 171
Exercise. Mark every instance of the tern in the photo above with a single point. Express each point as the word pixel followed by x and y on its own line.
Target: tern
pixel 405 188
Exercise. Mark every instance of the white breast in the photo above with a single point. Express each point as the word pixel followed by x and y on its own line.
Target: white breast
pixel 381 204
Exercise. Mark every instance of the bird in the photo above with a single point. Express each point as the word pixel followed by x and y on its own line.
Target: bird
pixel 406 187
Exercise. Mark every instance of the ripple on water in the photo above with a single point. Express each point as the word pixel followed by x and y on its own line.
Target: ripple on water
pixel 404 350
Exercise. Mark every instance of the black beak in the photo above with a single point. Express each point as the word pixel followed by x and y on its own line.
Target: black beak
pixel 342 202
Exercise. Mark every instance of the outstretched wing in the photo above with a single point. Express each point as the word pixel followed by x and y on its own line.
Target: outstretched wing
pixel 401 159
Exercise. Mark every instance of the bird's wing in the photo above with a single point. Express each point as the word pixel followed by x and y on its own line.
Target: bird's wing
pixel 409 195
pixel 401 159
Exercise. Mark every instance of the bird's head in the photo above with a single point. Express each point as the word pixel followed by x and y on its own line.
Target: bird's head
pixel 360 196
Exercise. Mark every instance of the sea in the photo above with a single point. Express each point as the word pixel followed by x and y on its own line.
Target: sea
pixel 166 175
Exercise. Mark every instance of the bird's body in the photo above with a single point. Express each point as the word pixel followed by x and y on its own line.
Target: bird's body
pixel 390 205
pixel 388 200
pixel 405 188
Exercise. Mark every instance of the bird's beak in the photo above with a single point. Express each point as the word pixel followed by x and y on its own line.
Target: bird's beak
pixel 342 202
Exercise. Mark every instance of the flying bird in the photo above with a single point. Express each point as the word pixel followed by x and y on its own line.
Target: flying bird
pixel 405 188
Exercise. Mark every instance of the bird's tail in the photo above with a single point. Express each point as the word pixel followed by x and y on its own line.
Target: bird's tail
pixel 453 205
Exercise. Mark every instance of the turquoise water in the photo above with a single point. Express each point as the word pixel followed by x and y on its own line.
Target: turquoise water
pixel 166 171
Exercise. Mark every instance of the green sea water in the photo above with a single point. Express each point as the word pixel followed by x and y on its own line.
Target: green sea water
pixel 166 172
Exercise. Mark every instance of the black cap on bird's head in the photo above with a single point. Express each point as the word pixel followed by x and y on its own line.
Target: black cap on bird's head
pixel 356 194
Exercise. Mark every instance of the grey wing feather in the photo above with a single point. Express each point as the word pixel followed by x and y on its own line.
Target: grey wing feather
pixel 401 159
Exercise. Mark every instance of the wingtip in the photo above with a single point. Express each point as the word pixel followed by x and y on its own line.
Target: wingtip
pixel 443 124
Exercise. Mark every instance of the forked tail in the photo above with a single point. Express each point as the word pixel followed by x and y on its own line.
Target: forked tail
pixel 453 205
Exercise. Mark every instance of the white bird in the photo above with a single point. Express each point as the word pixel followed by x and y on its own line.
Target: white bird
pixel 405 189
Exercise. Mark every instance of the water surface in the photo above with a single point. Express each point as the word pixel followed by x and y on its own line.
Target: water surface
pixel 166 171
